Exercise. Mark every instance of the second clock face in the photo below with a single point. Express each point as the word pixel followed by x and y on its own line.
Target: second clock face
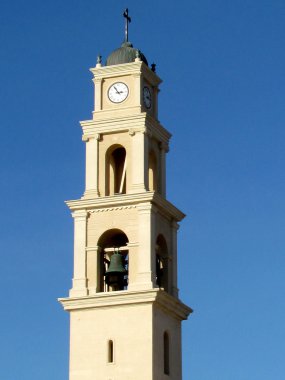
pixel 118 92
pixel 147 97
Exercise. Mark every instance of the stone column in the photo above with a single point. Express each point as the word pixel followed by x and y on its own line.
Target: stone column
pixel 79 277
pixel 92 164
pixel 162 171
pixel 174 228
pixel 139 161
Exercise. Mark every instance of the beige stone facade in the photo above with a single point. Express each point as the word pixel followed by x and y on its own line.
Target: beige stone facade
pixel 133 333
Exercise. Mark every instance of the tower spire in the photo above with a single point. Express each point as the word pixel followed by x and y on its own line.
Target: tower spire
pixel 127 20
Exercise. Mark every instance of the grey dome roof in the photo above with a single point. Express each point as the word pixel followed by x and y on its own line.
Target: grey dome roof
pixel 125 54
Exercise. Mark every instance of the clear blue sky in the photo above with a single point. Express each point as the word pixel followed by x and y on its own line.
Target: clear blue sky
pixel 223 93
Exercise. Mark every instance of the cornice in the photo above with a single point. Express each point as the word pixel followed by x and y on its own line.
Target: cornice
pixel 157 130
pixel 157 297
pixel 110 201
pixel 116 70
pixel 126 69
pixel 165 205
pixel 113 123
pixel 116 202
pixel 151 76
pixel 173 305
pixel 116 124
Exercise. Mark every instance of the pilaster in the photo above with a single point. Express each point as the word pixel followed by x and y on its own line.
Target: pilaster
pixel 98 94
pixel 79 277
pixel 92 165
pixel 137 87
pixel 140 160
pixel 173 275
pixel 93 269
pixel 162 180
pixel 146 250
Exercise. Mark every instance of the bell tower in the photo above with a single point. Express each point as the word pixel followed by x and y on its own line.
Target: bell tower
pixel 125 313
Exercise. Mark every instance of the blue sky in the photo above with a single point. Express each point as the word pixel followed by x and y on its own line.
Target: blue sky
pixel 222 99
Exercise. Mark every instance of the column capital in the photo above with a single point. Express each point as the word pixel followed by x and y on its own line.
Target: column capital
pixel 175 225
pixel 96 137
pixel 79 214
pixel 97 80
pixel 148 133
pixel 134 131
pixel 164 146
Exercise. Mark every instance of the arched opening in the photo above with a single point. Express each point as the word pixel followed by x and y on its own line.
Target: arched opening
pixel 162 263
pixel 116 170
pixel 166 353
pixel 152 172
pixel 113 261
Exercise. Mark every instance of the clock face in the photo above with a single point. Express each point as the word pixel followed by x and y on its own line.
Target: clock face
pixel 147 97
pixel 118 92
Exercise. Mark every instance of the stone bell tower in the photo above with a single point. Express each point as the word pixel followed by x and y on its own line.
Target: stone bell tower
pixel 125 314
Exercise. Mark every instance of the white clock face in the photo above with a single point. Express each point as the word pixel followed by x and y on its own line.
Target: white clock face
pixel 118 92
pixel 147 97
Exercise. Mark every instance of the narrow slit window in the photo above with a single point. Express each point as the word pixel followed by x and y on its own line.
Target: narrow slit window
pixel 166 353
pixel 110 351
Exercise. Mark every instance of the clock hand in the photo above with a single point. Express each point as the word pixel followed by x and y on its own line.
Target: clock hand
pixel 118 92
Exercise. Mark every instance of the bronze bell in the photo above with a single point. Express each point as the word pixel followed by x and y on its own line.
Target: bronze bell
pixel 114 276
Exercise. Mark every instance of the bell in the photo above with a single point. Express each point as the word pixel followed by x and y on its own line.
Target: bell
pixel 114 276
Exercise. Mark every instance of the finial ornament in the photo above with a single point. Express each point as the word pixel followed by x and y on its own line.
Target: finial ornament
pixel 138 55
pixel 99 60
pixel 153 67
pixel 127 20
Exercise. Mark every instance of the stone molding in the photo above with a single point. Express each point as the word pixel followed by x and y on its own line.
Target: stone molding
pixel 157 297
pixel 131 68
pixel 111 209
pixel 125 123
pixel 127 200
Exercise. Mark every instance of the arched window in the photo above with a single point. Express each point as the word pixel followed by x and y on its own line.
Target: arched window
pixel 162 263
pixel 152 172
pixel 166 353
pixel 116 170
pixel 113 261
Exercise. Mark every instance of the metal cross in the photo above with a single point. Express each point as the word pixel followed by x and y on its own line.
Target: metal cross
pixel 128 19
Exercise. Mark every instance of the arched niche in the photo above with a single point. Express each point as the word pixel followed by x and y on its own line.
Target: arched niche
pixel 109 242
pixel 116 170
pixel 162 263
pixel 152 171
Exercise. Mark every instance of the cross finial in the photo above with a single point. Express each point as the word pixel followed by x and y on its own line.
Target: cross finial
pixel 127 20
